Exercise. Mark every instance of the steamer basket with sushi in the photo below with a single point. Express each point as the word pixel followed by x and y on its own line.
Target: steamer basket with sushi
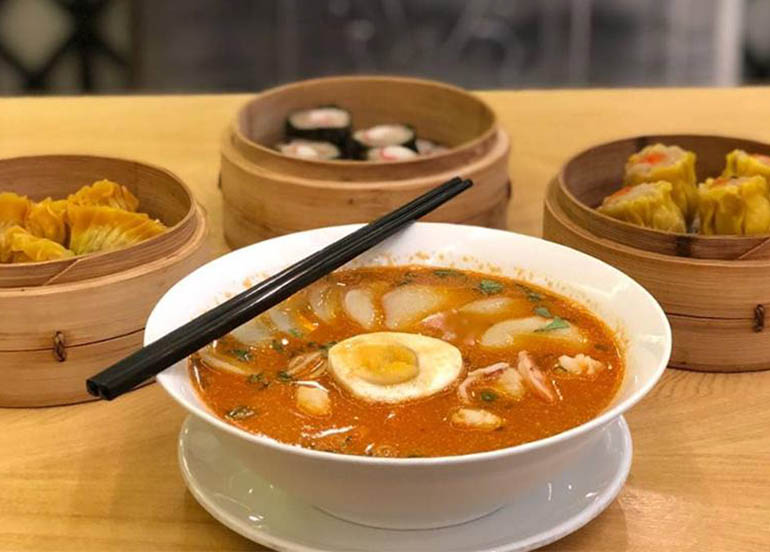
pixel 87 246
pixel 348 149
pixel 688 216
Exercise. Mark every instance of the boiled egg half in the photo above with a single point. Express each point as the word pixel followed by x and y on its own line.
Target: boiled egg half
pixel 393 367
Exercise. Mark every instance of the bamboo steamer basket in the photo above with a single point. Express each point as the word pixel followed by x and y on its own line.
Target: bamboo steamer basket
pixel 714 289
pixel 64 320
pixel 267 193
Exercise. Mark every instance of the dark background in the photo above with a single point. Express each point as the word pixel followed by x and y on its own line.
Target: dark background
pixel 123 46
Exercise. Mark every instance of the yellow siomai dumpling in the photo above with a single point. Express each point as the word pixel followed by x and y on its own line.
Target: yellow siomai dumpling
pixel 738 206
pixel 648 204
pixel 13 209
pixel 107 193
pixel 6 236
pixel 740 163
pixel 99 228
pixel 19 246
pixel 48 219
pixel 672 164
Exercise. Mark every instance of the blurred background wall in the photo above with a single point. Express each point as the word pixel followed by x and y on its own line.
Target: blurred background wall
pixel 123 46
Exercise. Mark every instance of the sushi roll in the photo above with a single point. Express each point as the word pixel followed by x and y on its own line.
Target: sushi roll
pixel 648 204
pixel 426 147
pixel 740 163
pixel 737 206
pixel 308 149
pixel 390 153
pixel 669 163
pixel 322 124
pixel 381 136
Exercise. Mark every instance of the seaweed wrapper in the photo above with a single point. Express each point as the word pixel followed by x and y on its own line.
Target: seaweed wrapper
pixel 643 167
pixel 648 204
pixel 738 206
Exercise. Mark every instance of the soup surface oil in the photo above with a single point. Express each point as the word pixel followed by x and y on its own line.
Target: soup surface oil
pixel 263 400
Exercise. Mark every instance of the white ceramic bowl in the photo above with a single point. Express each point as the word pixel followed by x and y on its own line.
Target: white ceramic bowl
pixel 425 492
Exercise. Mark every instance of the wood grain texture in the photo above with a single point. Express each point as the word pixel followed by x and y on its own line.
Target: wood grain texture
pixel 103 476
pixel 38 378
pixel 298 203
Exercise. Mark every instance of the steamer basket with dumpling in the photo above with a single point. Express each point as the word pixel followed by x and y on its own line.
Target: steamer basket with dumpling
pixel 267 193
pixel 65 319
pixel 714 288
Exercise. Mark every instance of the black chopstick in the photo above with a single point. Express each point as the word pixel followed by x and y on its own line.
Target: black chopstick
pixel 185 340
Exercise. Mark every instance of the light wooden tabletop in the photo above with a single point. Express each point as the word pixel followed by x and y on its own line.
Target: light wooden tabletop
pixel 104 476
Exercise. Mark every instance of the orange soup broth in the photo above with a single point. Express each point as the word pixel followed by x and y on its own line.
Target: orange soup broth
pixel 421 427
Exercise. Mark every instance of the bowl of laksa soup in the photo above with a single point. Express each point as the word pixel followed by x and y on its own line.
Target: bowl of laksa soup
pixel 431 381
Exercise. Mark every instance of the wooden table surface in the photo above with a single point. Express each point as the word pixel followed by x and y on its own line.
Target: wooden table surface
pixel 104 476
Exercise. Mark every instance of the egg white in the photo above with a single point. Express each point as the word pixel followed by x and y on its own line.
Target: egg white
pixel 439 365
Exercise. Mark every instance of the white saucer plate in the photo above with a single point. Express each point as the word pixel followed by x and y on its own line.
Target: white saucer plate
pixel 263 513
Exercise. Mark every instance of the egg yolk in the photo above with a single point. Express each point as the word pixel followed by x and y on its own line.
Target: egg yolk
pixel 384 364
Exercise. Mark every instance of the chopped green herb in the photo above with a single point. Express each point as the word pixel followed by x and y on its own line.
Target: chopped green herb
pixel 557 324
pixel 239 413
pixel 258 379
pixel 447 272
pixel 242 354
pixel 407 279
pixel 295 332
pixel 488 396
pixel 543 311
pixel 284 377
pixel 329 345
pixel 490 287
pixel 277 345
pixel 531 294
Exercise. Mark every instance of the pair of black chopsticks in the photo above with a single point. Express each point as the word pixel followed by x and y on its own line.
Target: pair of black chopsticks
pixel 185 340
